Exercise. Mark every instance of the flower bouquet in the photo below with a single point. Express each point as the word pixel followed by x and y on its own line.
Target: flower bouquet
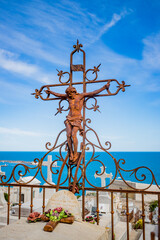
pixel 57 215
pixel 52 217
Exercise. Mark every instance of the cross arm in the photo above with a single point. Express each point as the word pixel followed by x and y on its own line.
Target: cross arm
pixel 91 94
pixel 59 95
pixel 46 89
pixel 120 86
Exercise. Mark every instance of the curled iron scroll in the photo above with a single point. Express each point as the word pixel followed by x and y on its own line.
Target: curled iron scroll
pixel 61 74
pixel 94 107
pixel 21 173
pixel 134 172
pixel 94 71
pixel 61 108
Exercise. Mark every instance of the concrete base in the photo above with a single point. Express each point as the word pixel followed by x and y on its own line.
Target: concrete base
pixel 34 231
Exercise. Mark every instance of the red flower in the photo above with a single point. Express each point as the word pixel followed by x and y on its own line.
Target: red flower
pixel 58 209
pixel 37 214
pixel 31 215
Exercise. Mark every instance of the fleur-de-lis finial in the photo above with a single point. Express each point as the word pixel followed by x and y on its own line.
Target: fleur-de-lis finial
pixel 96 69
pixel 60 73
pixel 123 85
pixel 59 110
pixel 78 46
pixel 37 93
pixel 95 107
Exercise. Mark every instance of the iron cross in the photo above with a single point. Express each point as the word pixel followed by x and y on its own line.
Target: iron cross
pixel 77 101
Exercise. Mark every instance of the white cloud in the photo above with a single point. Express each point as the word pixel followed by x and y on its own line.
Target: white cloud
pixel 143 74
pixel 16 131
pixel 58 21
pixel 9 62
pixel 151 52
pixel 14 65
pixel 115 19
pixel 29 46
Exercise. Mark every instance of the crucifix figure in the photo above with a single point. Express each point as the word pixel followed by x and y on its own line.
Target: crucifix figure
pixel 74 117
pixel 77 101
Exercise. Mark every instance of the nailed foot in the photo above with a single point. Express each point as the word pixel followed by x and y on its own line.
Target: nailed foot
pixel 75 159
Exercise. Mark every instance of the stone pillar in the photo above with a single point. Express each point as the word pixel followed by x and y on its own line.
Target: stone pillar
pixel 49 175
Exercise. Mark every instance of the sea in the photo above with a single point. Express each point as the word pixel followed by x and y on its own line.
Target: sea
pixel 148 161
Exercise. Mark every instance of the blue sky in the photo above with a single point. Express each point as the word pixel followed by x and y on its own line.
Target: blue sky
pixel 36 38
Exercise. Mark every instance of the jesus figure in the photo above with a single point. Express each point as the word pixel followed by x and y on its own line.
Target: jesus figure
pixel 74 118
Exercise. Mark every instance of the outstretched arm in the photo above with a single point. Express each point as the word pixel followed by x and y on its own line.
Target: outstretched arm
pixel 91 94
pixel 60 95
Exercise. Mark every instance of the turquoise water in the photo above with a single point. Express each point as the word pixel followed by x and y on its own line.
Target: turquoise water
pixel 133 160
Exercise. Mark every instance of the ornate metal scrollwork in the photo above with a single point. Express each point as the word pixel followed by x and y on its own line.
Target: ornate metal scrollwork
pixel 95 71
pixel 61 108
pixel 61 74
pixel 94 107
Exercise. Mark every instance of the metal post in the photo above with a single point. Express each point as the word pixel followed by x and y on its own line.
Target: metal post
pixel 8 209
pixel 43 207
pixel 127 216
pixel 152 236
pixel 19 202
pixel 31 206
pixel 112 216
pixel 158 216
pixel 143 216
pixel 97 195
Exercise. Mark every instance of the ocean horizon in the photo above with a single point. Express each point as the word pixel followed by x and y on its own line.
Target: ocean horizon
pixel 133 160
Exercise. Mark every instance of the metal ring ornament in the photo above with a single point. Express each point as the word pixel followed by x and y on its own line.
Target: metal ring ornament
pixel 93 72
pixel 94 107
pixel 61 108
pixel 61 102
pixel 41 91
pixel 60 74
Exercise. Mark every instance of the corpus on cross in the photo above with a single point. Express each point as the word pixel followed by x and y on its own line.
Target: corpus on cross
pixel 77 101
pixel 74 117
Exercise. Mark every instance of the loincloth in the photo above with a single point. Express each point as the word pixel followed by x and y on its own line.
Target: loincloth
pixel 74 122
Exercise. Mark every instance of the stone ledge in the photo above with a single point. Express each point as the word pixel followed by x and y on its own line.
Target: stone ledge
pixel 34 231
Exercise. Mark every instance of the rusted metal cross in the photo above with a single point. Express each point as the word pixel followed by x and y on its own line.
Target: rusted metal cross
pixel 77 103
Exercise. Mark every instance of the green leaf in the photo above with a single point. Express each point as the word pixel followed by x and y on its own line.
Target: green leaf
pixel 61 214
pixel 51 218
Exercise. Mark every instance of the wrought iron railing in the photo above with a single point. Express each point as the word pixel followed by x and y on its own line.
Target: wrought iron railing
pixel 97 191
